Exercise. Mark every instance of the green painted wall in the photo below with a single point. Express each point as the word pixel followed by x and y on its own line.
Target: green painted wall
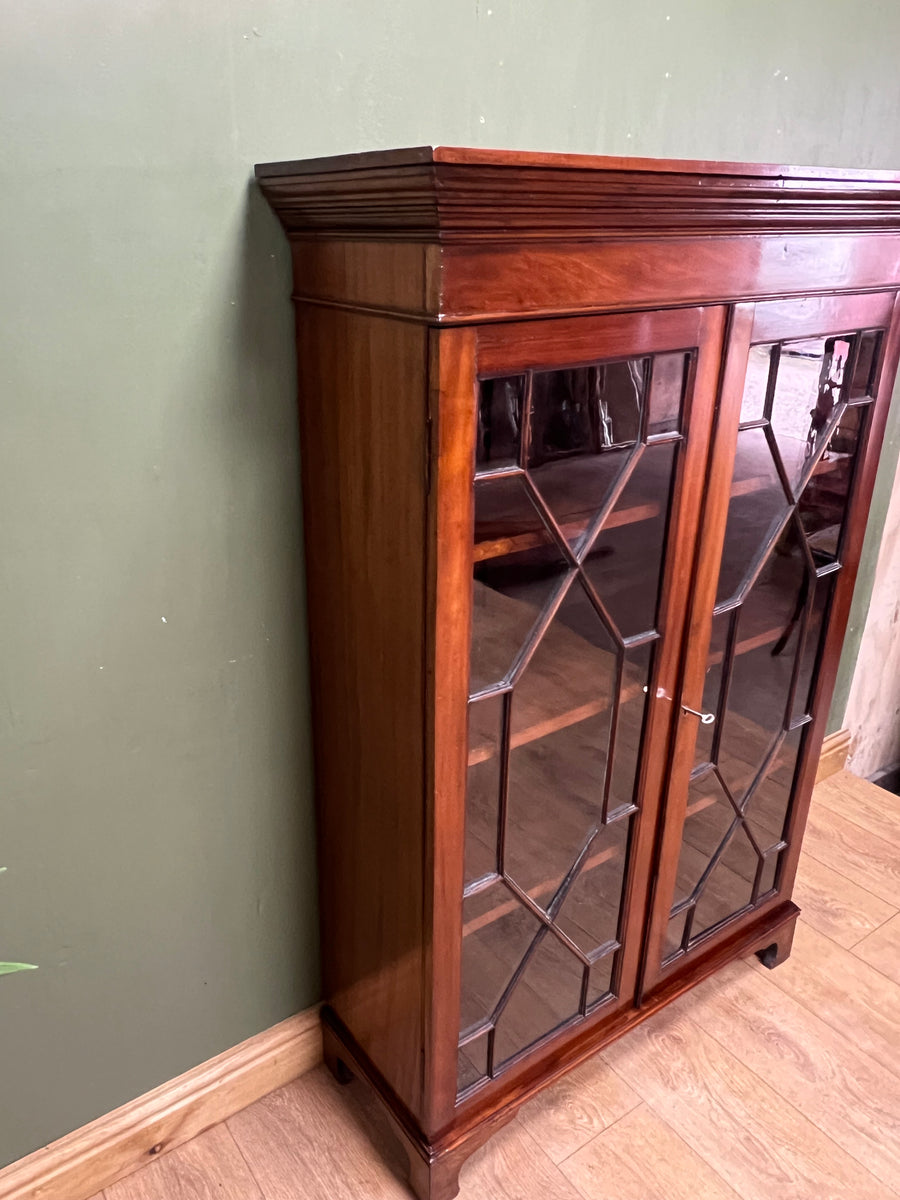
pixel 154 755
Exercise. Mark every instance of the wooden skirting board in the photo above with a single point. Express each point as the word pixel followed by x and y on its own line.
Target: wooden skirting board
pixel 84 1162
pixel 835 749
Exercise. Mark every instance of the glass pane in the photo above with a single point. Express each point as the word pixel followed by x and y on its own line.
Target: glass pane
pixel 709 819
pixel 812 645
pixel 674 935
pixel 483 787
pixel 500 404
pixel 729 886
pixel 713 684
pixel 768 874
pixel 807 391
pixel 756 381
pixel 584 425
pixel 518 568
pixel 758 506
pixel 559 733
pixel 547 994
pixel 625 562
pixel 600 981
pixel 766 808
pixel 590 912
pixel 638 664
pixel 497 932
pixel 865 370
pixel 666 392
pixel 823 504
pixel 583 409
pixel 756 711
pixel 472 1063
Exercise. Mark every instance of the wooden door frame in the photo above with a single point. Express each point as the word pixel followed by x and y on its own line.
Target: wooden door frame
pixel 459 356
pixel 754 323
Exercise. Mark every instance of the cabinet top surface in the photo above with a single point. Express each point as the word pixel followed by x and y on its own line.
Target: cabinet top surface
pixel 413 156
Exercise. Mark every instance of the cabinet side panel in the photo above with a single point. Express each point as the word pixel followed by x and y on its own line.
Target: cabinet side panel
pixel 362 382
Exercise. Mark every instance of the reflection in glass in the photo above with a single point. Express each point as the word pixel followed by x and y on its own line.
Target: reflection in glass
pixel 561 711
pixel 753 404
pixel 625 563
pixel 590 913
pixel 823 503
pixel 600 981
pixel 674 938
pixel 712 686
pixel 472 1063
pixel 497 931
pixel 760 682
pixel 710 817
pixel 500 403
pixel 813 644
pixel 483 787
pixel 768 808
pixel 518 569
pixel 862 385
pixel 729 886
pixel 585 427
pixel 586 409
pixel 666 393
pixel 546 996
pixel 807 394
pixel 757 508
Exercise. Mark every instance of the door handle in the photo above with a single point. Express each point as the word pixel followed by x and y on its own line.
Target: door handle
pixel 705 718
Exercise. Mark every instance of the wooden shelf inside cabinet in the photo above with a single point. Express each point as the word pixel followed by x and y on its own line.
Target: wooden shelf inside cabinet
pixel 478 678
pixel 574 525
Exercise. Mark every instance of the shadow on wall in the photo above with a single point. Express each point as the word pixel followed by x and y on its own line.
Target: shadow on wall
pixel 264 411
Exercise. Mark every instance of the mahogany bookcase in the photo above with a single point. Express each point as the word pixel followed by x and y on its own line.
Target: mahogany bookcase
pixel 588 449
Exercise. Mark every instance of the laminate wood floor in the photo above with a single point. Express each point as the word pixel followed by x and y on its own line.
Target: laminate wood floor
pixel 761 1085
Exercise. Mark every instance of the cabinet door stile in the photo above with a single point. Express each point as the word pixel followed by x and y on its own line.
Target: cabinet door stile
pixel 449 588
pixel 699 627
pixel 674 605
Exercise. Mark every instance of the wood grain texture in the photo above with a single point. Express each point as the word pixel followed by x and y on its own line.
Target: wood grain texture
pixel 871 808
pixel 496 282
pixel 451 408
pixel 835 905
pixel 364 450
pixel 513 1167
pixel 835 749
pixel 313 1141
pixel 465 196
pixel 841 844
pixel 568 1115
pixel 866 1015
pixel 117 1144
pixel 807 1063
pixel 881 949
pixel 756 1140
pixel 642 1158
pixel 210 1167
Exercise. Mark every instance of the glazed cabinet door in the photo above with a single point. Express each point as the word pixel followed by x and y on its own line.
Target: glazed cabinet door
pixel 798 428
pixel 585 479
